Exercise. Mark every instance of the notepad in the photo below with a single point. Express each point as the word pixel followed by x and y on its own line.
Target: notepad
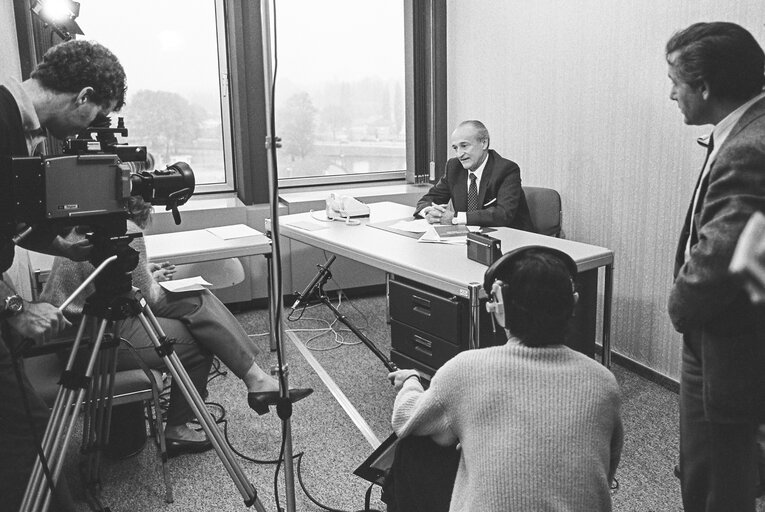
pixel 188 284
pixel 450 231
pixel 234 231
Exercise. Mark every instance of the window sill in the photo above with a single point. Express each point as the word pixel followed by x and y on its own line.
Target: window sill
pixel 360 191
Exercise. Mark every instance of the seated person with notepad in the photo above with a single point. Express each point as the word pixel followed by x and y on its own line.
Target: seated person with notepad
pixel 536 423
pixel 200 325
pixel 478 188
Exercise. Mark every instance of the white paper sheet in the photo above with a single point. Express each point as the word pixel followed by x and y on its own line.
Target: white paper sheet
pixel 234 231
pixel 412 226
pixel 185 285
pixel 432 237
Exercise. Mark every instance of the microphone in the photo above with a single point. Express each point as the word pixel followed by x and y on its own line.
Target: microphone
pixel 323 271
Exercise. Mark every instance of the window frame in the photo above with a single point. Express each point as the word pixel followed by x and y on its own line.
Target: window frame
pixel 239 25
pixel 35 39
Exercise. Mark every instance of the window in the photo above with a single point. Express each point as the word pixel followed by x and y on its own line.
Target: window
pixel 173 52
pixel 340 91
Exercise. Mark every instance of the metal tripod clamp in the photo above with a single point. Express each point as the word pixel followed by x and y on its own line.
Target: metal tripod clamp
pixel 284 404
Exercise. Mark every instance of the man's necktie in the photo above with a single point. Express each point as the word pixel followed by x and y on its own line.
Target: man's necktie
pixel 472 194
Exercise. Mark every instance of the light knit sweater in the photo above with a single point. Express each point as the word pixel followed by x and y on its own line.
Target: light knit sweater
pixel 539 428
pixel 67 275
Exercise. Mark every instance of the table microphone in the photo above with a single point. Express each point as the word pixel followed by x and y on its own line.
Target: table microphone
pixel 323 270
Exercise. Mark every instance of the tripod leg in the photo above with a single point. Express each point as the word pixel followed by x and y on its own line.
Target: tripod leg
pixel 226 455
pixel 38 481
pixel 57 454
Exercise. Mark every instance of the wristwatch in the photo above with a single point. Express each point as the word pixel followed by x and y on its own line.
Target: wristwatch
pixel 12 306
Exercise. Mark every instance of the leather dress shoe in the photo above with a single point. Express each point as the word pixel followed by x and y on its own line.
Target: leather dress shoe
pixel 259 401
pixel 177 447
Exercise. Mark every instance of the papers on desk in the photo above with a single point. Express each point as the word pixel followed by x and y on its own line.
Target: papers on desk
pixel 456 234
pixel 233 231
pixel 411 226
pixel 185 285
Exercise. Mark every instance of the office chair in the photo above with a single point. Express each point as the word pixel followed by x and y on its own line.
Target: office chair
pixel 545 209
pixel 43 366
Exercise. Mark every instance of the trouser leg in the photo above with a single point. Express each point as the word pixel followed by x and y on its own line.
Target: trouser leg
pixel 194 358
pixel 213 326
pixel 422 476
pixel 718 461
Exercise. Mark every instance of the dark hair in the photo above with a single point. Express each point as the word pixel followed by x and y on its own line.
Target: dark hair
pixel 538 297
pixel 73 65
pixel 481 132
pixel 724 55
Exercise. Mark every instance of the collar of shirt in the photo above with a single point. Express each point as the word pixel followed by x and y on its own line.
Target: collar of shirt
pixel 724 127
pixel 33 131
pixel 478 172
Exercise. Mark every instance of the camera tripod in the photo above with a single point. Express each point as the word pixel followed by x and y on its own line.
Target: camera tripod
pixel 115 299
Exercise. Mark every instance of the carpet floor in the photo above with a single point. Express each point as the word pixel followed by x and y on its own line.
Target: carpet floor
pixel 330 443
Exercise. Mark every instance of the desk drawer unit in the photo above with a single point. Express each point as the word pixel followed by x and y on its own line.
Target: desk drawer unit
pixel 430 327
pixel 426 348
pixel 436 314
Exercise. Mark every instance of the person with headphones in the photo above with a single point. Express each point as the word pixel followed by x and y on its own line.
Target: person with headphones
pixel 537 425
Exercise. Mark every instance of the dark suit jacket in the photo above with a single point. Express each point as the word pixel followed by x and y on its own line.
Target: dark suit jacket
pixel 500 194
pixel 12 143
pixel 712 311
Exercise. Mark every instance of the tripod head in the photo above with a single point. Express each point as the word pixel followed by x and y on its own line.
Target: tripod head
pixel 110 238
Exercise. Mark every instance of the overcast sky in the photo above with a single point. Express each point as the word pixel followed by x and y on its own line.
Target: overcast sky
pixel 157 44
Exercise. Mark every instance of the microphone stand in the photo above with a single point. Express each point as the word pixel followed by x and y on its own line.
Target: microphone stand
pixel 321 279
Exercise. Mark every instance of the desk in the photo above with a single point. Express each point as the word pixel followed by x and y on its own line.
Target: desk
pixel 179 248
pixel 440 266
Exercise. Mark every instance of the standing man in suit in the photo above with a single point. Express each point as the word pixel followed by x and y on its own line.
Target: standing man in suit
pixel 484 188
pixel 718 72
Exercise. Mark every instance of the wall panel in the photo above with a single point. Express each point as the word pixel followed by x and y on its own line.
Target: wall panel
pixel 577 93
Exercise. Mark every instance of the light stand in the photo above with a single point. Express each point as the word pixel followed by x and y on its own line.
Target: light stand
pixel 284 408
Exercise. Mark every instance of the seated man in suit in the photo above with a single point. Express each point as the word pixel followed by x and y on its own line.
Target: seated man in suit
pixel 484 188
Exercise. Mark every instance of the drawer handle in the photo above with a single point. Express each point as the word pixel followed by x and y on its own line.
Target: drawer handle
pixel 420 301
pixel 424 351
pixel 420 341
pixel 422 311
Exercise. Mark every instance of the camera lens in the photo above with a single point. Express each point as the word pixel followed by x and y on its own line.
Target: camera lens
pixel 175 184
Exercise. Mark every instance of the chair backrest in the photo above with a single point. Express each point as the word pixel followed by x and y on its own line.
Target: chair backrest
pixel 545 209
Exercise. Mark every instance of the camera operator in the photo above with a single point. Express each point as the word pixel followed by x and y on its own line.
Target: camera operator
pixel 74 82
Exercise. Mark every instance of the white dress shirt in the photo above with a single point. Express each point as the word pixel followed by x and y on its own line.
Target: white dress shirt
pixel 461 217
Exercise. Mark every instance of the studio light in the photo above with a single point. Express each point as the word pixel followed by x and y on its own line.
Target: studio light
pixel 59 15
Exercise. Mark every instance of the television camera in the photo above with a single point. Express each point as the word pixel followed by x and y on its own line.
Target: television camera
pixel 90 183
pixel 89 186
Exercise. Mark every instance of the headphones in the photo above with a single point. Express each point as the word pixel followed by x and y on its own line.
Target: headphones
pixel 497 289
